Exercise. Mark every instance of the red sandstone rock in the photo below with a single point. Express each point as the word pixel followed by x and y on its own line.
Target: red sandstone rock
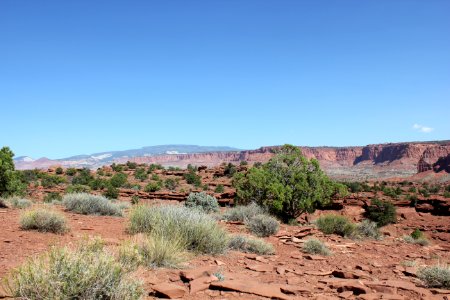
pixel 170 291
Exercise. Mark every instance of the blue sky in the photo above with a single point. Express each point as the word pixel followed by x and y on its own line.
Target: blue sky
pixel 88 76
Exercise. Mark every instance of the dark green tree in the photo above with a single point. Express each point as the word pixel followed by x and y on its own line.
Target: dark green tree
pixel 10 182
pixel 288 185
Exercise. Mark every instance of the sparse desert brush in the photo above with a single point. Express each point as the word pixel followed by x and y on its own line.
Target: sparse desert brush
pixel 88 204
pixel 416 239
pixel 335 224
pixel 52 196
pixel 202 201
pixel 18 202
pixel 243 213
pixel 381 212
pixel 77 188
pixel 44 221
pixel 81 273
pixel 250 245
pixel 219 188
pixel 367 229
pixel 263 225
pixel 313 246
pixel 199 232
pixel 435 276
pixel 153 187
pixel 153 251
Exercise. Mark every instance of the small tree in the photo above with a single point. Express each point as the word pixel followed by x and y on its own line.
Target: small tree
pixel 381 212
pixel 10 183
pixel 288 185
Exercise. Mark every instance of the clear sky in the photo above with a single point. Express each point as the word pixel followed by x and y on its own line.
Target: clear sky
pixel 85 76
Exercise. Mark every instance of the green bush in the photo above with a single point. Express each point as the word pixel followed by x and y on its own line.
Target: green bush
pixel 118 180
pixel 88 204
pixel 287 186
pixel 84 177
pixel 335 224
pixel 98 184
pixel 171 184
pixel 419 241
pixel 135 199
pixel 263 225
pixel 153 187
pixel 111 192
pixel 417 234
pixel 230 170
pixel 83 273
pixel 71 171
pixel 192 178
pixel 446 194
pixel 412 200
pixel 117 167
pixel 10 179
pixel 43 221
pixel 381 212
pixel 77 188
pixel 140 174
pixel 52 196
pixel 435 276
pixel 131 165
pixel 313 246
pixel 59 171
pixel 243 213
pixel 200 232
pixel 250 245
pixel 219 189
pixel 202 201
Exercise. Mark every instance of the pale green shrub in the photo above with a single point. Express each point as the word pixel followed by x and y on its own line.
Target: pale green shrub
pixel 243 213
pixel 313 246
pixel 202 201
pixel 44 221
pixel 88 204
pixel 250 245
pixel 263 225
pixel 435 276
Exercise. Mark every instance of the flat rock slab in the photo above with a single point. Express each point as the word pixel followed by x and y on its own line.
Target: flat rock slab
pixel 250 287
pixel 206 271
pixel 260 268
pixel 169 291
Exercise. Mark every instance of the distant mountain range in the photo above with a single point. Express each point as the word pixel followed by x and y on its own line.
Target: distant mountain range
pixel 104 158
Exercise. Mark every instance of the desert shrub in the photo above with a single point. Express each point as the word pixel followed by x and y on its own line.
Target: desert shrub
pixel 48 180
pixel 82 273
pixel 420 241
pixel 100 172
pixel 446 194
pixel 84 177
pixel 111 192
pixel 357 187
pixel 250 245
pixel 192 178
pixel 417 234
pixel 3 203
pixel 29 175
pixel 52 196
pixel 118 180
pixel 140 174
pixel 243 163
pixel 88 204
pixel 171 184
pixel 435 276
pixel 242 213
pixel 71 171
pixel 390 192
pixel 381 212
pixel 202 201
pixel 288 185
pixel 229 170
pixel 135 199
pixel 335 224
pixel 367 229
pixel 153 187
pixel 10 179
pixel 117 167
pixel 98 183
pixel 131 165
pixel 424 193
pixel 77 188
pixel 263 225
pixel 43 221
pixel 412 189
pixel 155 177
pixel 219 188
pixel 200 232
pixel 313 246
pixel 18 202
pixel 412 200
pixel 153 251
pixel 59 170
pixel 434 189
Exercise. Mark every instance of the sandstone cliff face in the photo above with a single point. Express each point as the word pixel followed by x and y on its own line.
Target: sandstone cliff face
pixel 372 161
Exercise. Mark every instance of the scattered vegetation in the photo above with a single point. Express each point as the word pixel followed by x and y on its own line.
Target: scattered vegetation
pixel 192 178
pixel 219 188
pixel 83 273
pixel 135 200
pixel 153 187
pixel 18 202
pixel 10 179
pixel 263 225
pixel 52 196
pixel 250 245
pixel 199 232
pixel 77 188
pixel 88 204
pixel 171 184
pixel 313 246
pixel 381 212
pixel 43 220
pixel 416 237
pixel 367 229
pixel 435 276
pixel 335 224
pixel 242 213
pixel 202 201
pixel 288 185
